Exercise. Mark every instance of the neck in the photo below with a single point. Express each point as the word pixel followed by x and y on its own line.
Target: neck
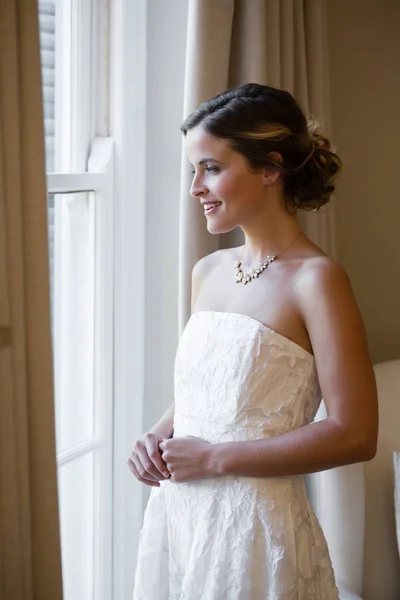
pixel 256 250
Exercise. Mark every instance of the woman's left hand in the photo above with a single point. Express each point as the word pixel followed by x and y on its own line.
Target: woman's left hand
pixel 187 458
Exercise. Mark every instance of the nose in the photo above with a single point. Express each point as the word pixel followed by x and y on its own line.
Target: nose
pixel 197 188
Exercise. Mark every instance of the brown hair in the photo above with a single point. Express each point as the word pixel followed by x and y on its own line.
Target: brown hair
pixel 257 120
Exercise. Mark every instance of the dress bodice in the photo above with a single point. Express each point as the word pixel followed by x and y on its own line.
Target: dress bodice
pixel 237 379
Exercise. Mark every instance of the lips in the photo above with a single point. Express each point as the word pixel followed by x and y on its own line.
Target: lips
pixel 210 207
pixel 210 202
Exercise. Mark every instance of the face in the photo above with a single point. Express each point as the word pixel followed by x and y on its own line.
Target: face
pixel 222 175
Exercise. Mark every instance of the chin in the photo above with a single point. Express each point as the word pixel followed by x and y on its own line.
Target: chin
pixel 215 228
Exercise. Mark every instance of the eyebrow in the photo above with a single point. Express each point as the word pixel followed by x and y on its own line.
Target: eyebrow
pixel 204 160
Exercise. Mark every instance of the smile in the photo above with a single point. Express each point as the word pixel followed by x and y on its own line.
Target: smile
pixel 211 207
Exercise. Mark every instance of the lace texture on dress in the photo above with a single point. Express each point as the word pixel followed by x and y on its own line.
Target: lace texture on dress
pixel 236 538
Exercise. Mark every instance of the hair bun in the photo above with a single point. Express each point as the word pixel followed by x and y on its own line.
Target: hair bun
pixel 312 185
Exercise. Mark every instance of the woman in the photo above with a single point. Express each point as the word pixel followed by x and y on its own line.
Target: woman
pixel 274 328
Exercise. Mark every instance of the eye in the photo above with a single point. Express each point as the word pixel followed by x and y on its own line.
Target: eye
pixel 208 168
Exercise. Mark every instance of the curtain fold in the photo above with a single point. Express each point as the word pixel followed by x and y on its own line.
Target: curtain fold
pixel 282 43
pixel 30 558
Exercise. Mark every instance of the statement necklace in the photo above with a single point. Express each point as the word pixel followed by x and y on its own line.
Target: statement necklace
pixel 245 278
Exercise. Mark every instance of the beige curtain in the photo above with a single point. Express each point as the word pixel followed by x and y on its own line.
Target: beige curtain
pixel 30 564
pixel 282 43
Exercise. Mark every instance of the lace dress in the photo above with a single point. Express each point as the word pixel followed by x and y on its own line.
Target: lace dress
pixel 234 537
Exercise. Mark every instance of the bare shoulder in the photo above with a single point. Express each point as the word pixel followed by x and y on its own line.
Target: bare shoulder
pixel 202 270
pixel 331 314
pixel 205 265
pixel 321 273
pixel 324 292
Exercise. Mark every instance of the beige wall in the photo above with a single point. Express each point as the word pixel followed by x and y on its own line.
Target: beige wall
pixel 364 46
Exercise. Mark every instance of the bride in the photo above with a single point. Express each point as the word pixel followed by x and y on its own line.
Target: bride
pixel 274 328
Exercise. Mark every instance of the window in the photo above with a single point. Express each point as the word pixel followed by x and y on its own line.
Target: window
pixel 79 164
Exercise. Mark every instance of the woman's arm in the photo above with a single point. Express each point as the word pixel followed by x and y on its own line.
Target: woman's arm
pixel 346 376
pixel 164 427
pixel 315 447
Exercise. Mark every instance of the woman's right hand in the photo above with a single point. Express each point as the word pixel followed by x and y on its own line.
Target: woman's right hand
pixel 145 460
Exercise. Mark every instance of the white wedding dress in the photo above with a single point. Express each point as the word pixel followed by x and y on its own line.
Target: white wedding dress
pixel 235 537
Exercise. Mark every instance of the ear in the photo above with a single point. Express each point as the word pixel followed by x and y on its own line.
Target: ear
pixel 271 175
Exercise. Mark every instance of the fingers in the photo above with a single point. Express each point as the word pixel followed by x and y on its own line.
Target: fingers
pixel 149 456
pixel 153 452
pixel 145 460
pixel 141 469
pixel 148 482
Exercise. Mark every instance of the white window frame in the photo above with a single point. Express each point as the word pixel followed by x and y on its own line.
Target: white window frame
pixel 128 122
pixel 85 27
pixel 98 179
pixel 120 182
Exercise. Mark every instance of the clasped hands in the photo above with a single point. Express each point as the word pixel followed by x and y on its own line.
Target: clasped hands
pixel 154 459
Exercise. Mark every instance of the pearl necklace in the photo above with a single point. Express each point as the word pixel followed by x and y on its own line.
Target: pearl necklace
pixel 246 278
